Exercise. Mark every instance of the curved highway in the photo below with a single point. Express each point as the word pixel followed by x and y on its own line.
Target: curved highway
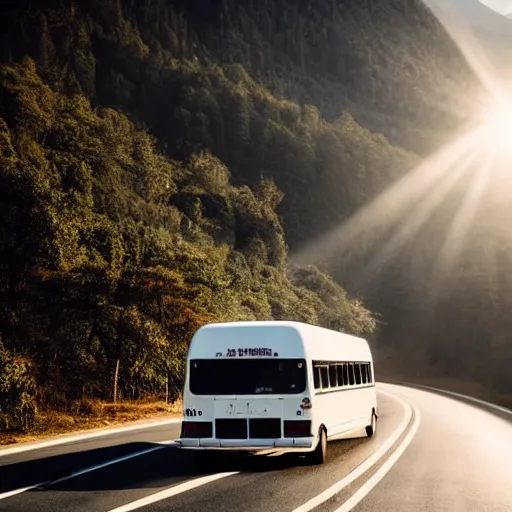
pixel 430 453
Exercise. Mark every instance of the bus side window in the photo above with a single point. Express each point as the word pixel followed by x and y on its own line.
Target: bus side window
pixel 316 376
pixel 346 381
pixel 364 373
pixel 333 375
pixel 339 371
pixel 351 377
pixel 370 377
pixel 357 368
pixel 324 376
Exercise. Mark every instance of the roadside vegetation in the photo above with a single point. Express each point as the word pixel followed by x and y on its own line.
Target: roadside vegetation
pixel 113 254
pixel 158 168
pixel 85 415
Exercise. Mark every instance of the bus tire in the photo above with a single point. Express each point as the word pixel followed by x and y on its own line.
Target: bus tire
pixel 319 454
pixel 372 427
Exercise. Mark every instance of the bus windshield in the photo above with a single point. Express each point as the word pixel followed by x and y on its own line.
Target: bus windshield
pixel 247 376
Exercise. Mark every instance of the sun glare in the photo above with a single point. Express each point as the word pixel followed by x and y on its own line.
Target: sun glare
pixel 473 166
pixel 499 124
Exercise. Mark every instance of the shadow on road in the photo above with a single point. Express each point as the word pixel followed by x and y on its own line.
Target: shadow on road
pixel 160 468
pixel 26 473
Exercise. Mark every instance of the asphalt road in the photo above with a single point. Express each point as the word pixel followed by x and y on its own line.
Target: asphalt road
pixel 456 457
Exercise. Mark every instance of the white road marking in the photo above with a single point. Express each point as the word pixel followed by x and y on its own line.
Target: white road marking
pixel 82 437
pixel 367 487
pixel 465 397
pixel 6 495
pixel 90 469
pixel 366 464
pixel 173 491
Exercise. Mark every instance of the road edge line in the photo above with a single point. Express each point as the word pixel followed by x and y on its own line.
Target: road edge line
pixel 368 463
pixel 376 478
pixel 460 396
pixel 111 462
pixel 73 438
pixel 14 492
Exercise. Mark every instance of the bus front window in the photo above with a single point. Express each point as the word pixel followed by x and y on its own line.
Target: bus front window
pixel 247 376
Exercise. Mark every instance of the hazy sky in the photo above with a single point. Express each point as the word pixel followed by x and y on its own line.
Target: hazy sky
pixel 502 6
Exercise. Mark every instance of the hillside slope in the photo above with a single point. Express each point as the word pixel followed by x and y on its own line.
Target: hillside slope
pixel 377 59
pixel 112 254
pixel 198 74
pixel 159 158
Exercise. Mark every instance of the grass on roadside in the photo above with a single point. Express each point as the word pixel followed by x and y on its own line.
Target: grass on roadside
pixel 91 414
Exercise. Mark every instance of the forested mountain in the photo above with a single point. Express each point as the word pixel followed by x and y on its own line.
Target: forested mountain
pixel 159 159
pixel 113 254
pixel 241 79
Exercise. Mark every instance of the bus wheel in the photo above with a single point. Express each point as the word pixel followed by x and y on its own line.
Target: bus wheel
pixel 319 455
pixel 372 427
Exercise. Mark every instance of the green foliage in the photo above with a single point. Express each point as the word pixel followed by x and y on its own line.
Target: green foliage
pixel 332 306
pixel 113 254
pixel 17 392
pixel 251 100
pixel 158 159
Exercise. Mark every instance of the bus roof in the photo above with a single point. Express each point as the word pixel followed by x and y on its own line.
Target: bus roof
pixel 292 338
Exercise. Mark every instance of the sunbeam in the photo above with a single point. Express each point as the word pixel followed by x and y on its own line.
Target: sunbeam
pixel 499 125
pixel 433 198
pixel 457 233
pixel 393 203
pixel 470 48
pixel 404 208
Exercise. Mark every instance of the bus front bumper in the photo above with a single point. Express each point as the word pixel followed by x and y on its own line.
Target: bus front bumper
pixel 299 444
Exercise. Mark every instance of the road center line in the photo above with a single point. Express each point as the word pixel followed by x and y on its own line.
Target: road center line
pixel 173 491
pixel 90 469
pixel 367 463
pixel 367 487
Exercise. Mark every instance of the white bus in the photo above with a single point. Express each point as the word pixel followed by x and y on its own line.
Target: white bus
pixel 276 386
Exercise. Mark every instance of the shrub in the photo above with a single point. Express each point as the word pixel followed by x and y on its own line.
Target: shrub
pixel 17 393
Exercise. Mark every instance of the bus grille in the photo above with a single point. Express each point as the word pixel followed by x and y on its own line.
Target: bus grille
pixel 265 428
pixel 231 429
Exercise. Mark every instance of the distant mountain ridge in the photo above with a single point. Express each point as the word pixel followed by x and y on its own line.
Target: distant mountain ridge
pixel 503 7
pixel 493 31
pixel 476 14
